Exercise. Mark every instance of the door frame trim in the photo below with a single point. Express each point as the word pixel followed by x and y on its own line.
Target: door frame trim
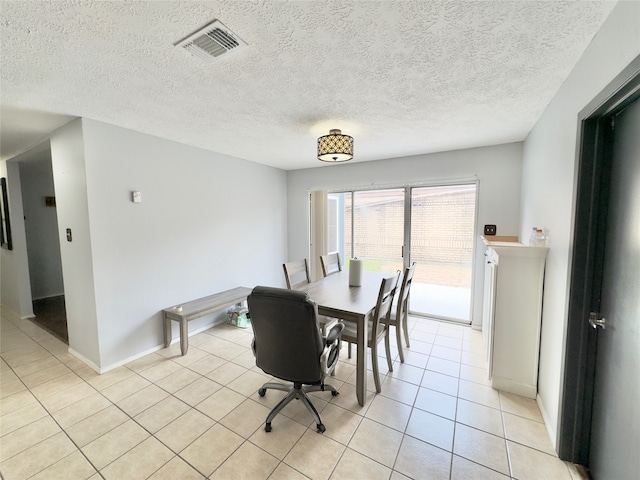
pixel 589 212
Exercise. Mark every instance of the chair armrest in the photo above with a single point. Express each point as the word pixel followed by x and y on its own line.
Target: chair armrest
pixel 331 351
pixel 334 333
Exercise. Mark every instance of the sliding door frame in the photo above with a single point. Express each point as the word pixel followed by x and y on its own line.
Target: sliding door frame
pixel 407 226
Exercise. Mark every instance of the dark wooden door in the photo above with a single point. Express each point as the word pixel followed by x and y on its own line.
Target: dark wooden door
pixel 615 427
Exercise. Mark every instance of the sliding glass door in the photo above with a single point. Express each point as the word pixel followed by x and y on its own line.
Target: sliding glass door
pixel 368 226
pixel 432 226
pixel 378 237
pixel 441 242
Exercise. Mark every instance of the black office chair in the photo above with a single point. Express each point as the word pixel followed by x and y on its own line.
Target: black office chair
pixel 288 345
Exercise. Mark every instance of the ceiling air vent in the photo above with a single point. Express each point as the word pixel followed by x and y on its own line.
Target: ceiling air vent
pixel 211 42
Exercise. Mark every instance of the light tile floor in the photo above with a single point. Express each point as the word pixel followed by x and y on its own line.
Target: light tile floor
pixel 165 416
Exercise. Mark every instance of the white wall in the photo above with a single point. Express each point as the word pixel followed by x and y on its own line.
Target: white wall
pixel 3 173
pixel 69 176
pixel 549 159
pixel 497 168
pixel 207 222
pixel 41 227
pixel 16 288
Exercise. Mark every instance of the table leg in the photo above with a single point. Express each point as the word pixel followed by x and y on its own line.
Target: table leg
pixel 361 361
pixel 167 330
pixel 184 336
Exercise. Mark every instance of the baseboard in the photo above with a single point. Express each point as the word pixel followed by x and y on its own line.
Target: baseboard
pixel 216 321
pixel 15 316
pixel 547 424
pixel 151 350
pixel 84 360
pixel 10 314
pixel 113 366
pixel 510 386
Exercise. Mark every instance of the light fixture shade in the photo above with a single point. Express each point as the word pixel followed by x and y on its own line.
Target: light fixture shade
pixel 335 147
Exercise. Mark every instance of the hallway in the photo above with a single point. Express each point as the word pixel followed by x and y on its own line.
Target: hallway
pixel 52 316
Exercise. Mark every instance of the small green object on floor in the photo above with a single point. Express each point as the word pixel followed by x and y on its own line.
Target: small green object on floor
pixel 237 316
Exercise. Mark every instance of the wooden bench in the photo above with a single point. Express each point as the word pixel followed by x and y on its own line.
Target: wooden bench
pixel 196 309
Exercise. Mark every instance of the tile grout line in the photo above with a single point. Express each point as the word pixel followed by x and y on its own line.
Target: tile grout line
pixel 50 415
pixel 506 443
pixel 246 438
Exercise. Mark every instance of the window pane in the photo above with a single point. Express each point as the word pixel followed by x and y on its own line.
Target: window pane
pixel 378 229
pixel 442 233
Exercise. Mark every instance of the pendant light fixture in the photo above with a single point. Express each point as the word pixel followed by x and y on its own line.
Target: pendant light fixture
pixel 335 147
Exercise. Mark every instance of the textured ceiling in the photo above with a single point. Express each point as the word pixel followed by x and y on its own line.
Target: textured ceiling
pixel 402 77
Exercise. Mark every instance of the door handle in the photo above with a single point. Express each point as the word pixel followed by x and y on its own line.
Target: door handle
pixel 595 320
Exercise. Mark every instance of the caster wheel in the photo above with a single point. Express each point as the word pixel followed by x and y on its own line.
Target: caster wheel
pixel 262 392
pixel 267 427
pixel 335 393
pixel 321 428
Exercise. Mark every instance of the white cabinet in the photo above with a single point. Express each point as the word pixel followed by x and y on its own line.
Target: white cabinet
pixel 514 277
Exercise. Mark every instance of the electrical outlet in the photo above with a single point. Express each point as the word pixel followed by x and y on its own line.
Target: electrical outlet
pixel 490 229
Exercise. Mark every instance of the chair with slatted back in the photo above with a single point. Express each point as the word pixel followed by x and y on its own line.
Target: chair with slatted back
pixel 330 263
pixel 399 314
pixel 296 273
pixel 377 327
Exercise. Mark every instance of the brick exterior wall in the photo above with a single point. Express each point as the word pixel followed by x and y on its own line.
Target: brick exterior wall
pixel 442 224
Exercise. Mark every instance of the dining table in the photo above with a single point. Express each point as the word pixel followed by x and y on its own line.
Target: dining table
pixel 336 298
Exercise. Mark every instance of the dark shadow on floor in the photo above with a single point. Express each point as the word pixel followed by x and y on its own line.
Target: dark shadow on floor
pixel 51 315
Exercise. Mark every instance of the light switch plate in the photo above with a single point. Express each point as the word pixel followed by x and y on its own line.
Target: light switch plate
pixel 136 197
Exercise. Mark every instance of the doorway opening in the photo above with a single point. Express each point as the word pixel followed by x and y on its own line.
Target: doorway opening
pixel 592 432
pixel 51 314
pixel 43 243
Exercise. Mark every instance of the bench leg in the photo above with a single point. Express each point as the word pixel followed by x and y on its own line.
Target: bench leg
pixel 167 331
pixel 184 336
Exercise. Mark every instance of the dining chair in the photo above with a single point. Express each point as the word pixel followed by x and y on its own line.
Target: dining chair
pixel 330 263
pixel 296 273
pixel 398 316
pixel 377 327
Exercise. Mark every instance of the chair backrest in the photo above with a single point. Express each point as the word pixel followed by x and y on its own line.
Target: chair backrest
pixel 296 273
pixel 385 299
pixel 330 263
pixel 287 339
pixel 402 307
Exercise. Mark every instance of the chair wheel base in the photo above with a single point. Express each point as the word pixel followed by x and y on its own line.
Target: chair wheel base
pixel 262 393
pixel 335 393
pixel 321 428
pixel 267 427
